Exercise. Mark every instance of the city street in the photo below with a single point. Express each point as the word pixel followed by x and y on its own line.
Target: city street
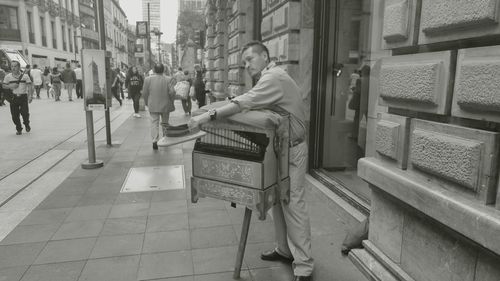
pixel 66 223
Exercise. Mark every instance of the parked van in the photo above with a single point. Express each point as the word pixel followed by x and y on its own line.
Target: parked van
pixel 8 55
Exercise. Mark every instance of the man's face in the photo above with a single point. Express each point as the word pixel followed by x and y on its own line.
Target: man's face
pixel 15 67
pixel 254 62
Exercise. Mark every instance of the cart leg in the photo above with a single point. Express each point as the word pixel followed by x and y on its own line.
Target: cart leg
pixel 243 243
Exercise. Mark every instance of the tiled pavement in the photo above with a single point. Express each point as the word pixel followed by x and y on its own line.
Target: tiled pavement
pixel 87 230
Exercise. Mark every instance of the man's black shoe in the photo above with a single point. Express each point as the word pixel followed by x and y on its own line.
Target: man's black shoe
pixel 272 255
pixel 155 145
pixel 302 278
pixel 18 132
pixel 28 128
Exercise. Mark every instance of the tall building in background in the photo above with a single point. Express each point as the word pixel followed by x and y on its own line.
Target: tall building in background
pixel 154 13
pixel 194 5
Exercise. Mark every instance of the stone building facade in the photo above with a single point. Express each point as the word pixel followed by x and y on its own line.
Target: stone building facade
pixel 404 101
pixel 46 32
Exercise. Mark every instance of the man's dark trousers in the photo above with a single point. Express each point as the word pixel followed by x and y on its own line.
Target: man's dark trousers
pixel 79 93
pixel 19 106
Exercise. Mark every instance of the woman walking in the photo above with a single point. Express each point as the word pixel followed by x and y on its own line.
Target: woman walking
pixel 134 82
pixel 55 80
pixel 46 80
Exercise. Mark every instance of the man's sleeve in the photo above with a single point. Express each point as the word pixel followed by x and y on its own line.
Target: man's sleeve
pixel 145 90
pixel 266 92
pixel 27 79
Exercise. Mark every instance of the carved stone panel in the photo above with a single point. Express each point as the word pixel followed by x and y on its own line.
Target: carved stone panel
pixel 444 20
pixel 418 82
pixel 477 84
pixel 455 157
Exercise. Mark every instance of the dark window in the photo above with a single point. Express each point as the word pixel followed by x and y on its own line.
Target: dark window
pixel 30 28
pixel 54 35
pixel 44 31
pixel 9 28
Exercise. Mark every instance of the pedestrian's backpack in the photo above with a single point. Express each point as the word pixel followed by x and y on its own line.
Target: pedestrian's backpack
pixel 182 89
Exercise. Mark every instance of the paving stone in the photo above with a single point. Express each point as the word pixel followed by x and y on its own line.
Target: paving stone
pixel 19 254
pixel 133 197
pixel 129 210
pixel 168 207
pixel 183 278
pixel 213 237
pixel 91 212
pixel 259 232
pixel 30 233
pixel 60 201
pixel 226 276
pixel 212 260
pixel 124 226
pixel 50 216
pixel 168 195
pixel 79 229
pixel 97 199
pixel 111 269
pixel 281 273
pixel 166 241
pixel 117 245
pixel 68 271
pixel 66 250
pixel 208 218
pixel 12 273
pixel 164 265
pixel 167 222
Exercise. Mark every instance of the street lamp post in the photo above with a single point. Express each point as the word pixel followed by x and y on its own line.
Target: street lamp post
pixel 158 33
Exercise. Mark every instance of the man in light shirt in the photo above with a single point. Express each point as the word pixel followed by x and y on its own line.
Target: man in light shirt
pixel 36 75
pixel 21 86
pixel 78 74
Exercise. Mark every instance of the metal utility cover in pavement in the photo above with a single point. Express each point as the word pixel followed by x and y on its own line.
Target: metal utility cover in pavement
pixel 154 178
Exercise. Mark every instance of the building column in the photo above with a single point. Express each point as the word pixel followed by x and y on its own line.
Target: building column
pixel 23 22
pixel 37 26
pixel 48 29
pixel 58 34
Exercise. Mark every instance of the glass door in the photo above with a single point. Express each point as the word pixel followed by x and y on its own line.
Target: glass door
pixel 345 94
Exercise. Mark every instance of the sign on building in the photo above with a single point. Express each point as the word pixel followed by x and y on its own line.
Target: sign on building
pixel 141 29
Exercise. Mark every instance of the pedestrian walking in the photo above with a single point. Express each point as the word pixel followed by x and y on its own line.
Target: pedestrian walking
pixel 159 97
pixel 55 83
pixel 199 86
pixel 276 89
pixel 182 90
pixel 115 85
pixel 46 80
pixel 68 76
pixel 78 75
pixel 134 82
pixel 36 75
pixel 2 90
pixel 21 86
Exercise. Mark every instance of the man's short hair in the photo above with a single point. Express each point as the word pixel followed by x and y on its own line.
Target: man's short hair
pixel 158 68
pixel 17 62
pixel 68 65
pixel 35 66
pixel 257 47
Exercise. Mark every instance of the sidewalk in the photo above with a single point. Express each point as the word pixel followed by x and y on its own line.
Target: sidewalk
pixel 87 230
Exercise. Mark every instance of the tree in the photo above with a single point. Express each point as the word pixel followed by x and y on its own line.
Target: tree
pixel 187 23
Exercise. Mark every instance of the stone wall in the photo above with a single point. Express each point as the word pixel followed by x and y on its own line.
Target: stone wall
pixel 433 151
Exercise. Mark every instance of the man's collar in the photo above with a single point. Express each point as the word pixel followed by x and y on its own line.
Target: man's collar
pixel 269 66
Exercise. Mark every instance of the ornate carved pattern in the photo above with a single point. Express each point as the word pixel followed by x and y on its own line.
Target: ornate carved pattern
pixel 226 192
pixel 76 21
pixel 230 170
pixel 54 9
pixel 43 6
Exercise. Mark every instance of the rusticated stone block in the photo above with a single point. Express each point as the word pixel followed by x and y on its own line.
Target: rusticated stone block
pixel 419 82
pixel 391 138
pixel 446 156
pixel 219 87
pixel 396 21
pixel 386 225
pixel 456 157
pixel 477 84
pixel 487 268
pixel 386 140
pixel 220 64
pixel 235 75
pixel 237 24
pixel 273 47
pixel 428 253
pixel 233 59
pixel 443 20
pixel 398 29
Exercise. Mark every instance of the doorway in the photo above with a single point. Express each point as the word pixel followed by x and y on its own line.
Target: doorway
pixel 342 94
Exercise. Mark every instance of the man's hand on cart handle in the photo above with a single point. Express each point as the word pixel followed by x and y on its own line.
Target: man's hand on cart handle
pixel 196 121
